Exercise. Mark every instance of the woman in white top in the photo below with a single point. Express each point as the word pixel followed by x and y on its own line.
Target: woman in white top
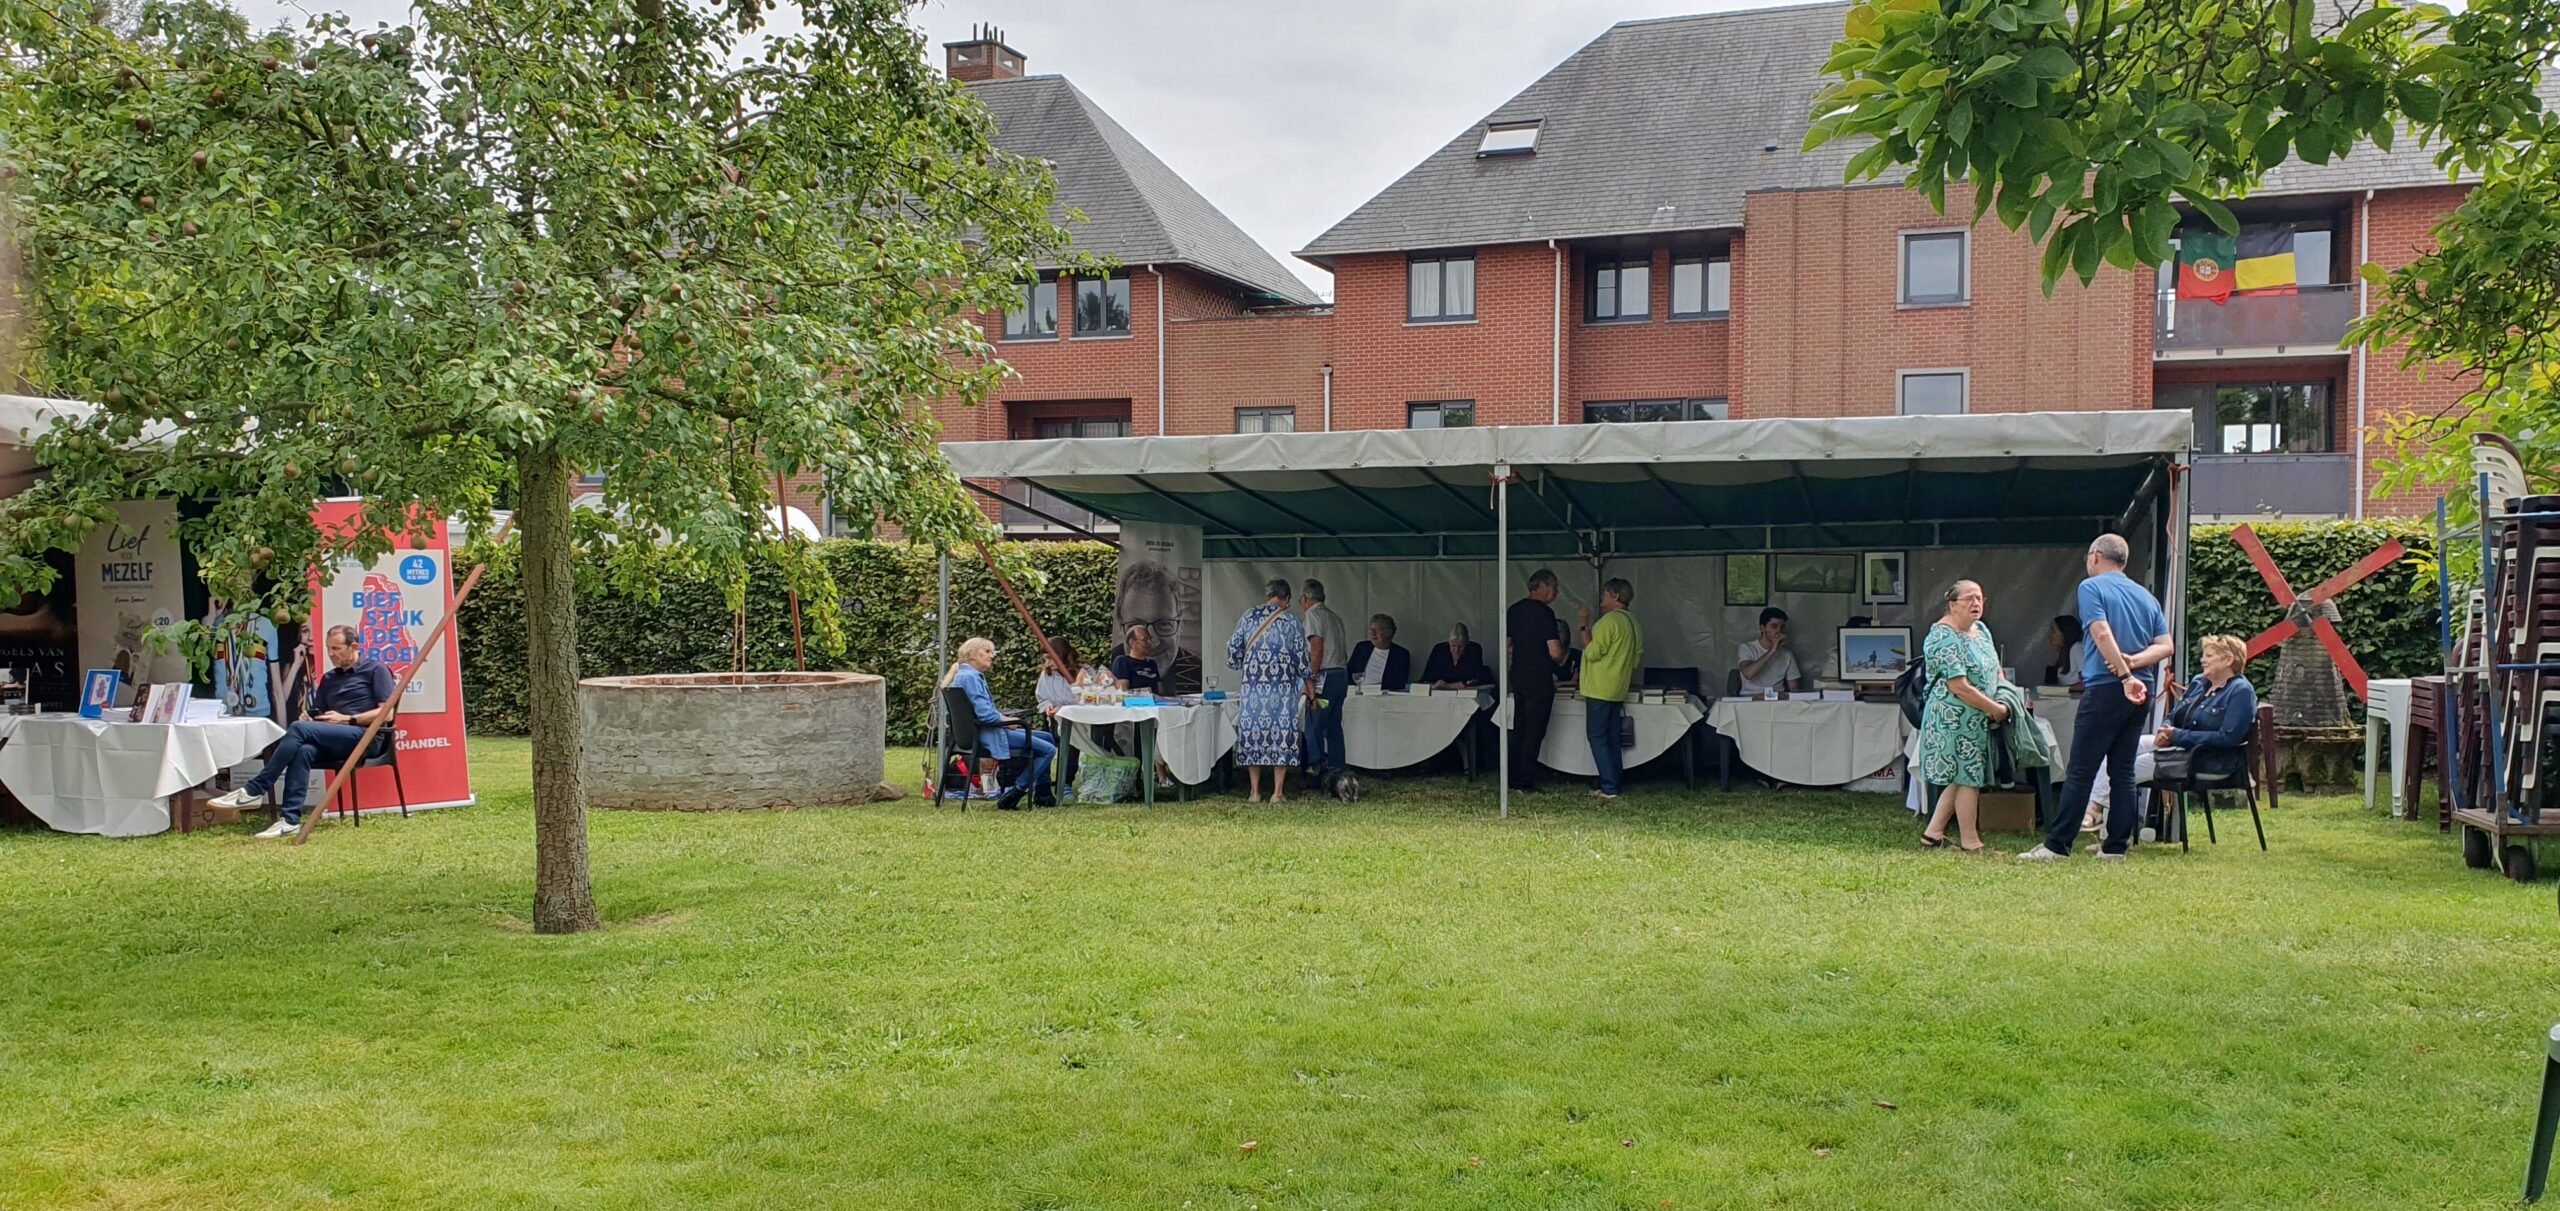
pixel 1057 685
pixel 2064 642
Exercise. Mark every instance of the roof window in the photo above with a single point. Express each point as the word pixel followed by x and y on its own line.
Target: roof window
pixel 1509 139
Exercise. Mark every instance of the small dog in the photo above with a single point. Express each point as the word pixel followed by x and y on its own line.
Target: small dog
pixel 1341 784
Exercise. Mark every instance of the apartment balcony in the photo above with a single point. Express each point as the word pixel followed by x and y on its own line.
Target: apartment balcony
pixel 2275 485
pixel 1032 513
pixel 2313 321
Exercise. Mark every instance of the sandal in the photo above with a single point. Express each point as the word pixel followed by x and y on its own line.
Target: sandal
pixel 1973 849
pixel 1929 842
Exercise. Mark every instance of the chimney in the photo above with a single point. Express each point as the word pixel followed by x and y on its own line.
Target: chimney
pixel 983 57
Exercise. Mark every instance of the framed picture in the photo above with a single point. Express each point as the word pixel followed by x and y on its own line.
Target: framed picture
pixel 1874 653
pixel 1814 574
pixel 1888 578
pixel 98 693
pixel 1746 580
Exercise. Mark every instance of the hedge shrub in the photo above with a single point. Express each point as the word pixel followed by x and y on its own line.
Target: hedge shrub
pixel 887 595
pixel 2388 619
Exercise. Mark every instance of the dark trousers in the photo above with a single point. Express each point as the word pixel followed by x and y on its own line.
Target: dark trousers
pixel 1324 723
pixel 2109 730
pixel 303 744
pixel 1600 727
pixel 1532 700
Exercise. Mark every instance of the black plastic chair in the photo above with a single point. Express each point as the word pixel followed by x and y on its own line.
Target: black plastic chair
pixel 2261 742
pixel 385 754
pixel 960 739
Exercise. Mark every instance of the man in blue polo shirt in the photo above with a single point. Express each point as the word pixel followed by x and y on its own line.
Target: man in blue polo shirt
pixel 349 697
pixel 2127 638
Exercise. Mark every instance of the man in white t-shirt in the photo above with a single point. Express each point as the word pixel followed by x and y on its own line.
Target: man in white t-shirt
pixel 1765 662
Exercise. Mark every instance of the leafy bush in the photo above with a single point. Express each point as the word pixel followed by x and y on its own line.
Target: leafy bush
pixel 886 601
pixel 2388 619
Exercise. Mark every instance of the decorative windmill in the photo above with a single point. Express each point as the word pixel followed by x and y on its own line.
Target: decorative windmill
pixel 2307 689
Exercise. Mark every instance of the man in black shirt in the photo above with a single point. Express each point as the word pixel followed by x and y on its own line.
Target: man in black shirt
pixel 1535 653
pixel 350 695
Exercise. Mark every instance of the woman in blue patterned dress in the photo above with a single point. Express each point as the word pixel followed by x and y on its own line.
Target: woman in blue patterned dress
pixel 1271 651
pixel 1955 726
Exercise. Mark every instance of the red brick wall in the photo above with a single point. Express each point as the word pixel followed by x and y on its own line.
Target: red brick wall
pixel 2402 223
pixel 1657 358
pixel 1502 360
pixel 1825 335
pixel 1275 360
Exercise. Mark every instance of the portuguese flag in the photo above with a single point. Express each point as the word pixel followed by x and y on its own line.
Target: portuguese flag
pixel 2205 264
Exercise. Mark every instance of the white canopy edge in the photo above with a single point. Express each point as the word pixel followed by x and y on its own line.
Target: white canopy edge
pixel 24 418
pixel 2034 435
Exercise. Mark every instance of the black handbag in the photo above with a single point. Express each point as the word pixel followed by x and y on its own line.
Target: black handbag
pixel 2173 766
pixel 1912 688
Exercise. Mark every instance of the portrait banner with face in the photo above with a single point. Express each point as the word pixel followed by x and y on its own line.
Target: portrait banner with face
pixel 1159 589
pixel 395 603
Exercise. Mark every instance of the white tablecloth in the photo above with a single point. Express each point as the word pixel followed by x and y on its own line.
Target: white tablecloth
pixel 1812 743
pixel 2061 715
pixel 1659 727
pixel 1391 731
pixel 1189 739
pixel 114 779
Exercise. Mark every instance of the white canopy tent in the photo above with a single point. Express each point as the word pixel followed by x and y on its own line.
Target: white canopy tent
pixel 1398 507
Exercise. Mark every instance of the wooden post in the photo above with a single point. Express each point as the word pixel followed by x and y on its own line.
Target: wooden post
pixel 345 783
pixel 1046 647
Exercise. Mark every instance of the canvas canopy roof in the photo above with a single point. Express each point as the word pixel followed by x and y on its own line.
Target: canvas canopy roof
pixel 1668 488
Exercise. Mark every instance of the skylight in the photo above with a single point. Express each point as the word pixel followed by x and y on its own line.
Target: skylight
pixel 1509 139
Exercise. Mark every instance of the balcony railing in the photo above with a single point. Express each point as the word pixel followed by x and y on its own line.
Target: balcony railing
pixel 1018 519
pixel 2312 321
pixel 2269 485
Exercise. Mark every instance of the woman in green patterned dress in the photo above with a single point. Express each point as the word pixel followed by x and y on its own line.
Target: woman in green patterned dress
pixel 1955 726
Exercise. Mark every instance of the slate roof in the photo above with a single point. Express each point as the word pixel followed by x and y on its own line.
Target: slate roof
pixel 1665 124
pixel 1137 211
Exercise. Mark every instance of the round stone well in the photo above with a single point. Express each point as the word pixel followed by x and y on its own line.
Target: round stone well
pixel 733 741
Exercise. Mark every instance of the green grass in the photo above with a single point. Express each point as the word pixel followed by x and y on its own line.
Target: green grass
pixel 1691 1001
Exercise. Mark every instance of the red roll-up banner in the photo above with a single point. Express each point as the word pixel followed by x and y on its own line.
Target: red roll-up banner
pixel 394 603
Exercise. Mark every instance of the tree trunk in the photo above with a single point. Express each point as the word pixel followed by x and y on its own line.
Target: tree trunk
pixel 563 901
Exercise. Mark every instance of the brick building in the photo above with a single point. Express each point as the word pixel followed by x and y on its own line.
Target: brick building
pixel 1636 236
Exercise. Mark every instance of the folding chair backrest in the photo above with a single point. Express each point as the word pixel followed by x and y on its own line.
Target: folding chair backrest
pixel 2496 457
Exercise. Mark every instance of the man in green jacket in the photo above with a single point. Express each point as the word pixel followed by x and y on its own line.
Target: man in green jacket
pixel 1612 651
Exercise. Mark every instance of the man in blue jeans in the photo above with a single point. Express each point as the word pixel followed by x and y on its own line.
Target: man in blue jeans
pixel 2128 637
pixel 1329 662
pixel 350 696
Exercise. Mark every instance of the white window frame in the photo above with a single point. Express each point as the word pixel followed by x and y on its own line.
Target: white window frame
pixel 1964 399
pixel 1902 268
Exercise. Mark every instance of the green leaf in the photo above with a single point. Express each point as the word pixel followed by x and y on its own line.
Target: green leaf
pixel 2418 100
pixel 2214 212
pixel 2049 63
pixel 1990 67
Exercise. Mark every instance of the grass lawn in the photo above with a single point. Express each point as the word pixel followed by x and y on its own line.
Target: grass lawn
pixel 1761 999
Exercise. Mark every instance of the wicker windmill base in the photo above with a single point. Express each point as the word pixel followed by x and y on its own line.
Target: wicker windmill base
pixel 2319 760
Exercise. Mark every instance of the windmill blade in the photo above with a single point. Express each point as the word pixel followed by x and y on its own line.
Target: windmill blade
pixel 2338 652
pixel 2389 554
pixel 2269 638
pixel 2267 570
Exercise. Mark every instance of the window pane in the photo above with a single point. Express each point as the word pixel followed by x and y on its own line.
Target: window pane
pixel 1459 286
pixel 1710 408
pixel 1932 267
pixel 2311 257
pixel 1688 287
pixel 1719 286
pixel 1635 290
pixel 1422 416
pixel 1932 394
pixel 1460 414
pixel 1509 138
pixel 1604 414
pixel 1604 294
pixel 1044 309
pixel 1422 290
pixel 1118 292
pixel 1088 307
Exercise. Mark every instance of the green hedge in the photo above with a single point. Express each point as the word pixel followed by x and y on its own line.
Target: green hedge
pixel 886 591
pixel 2388 620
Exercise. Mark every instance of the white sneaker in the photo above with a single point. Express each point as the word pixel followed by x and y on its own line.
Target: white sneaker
pixel 2104 856
pixel 237 800
pixel 2041 854
pixel 280 829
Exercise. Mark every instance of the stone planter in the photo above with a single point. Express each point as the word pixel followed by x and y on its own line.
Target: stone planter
pixel 733 741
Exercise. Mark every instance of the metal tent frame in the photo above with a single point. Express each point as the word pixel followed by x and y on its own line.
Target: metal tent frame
pixel 1598 492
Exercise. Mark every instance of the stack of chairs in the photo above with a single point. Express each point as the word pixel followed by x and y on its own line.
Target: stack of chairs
pixel 2524 602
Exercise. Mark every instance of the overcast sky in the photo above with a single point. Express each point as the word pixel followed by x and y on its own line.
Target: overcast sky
pixel 1284 115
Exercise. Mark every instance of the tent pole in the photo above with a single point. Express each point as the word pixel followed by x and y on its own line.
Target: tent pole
pixel 1502 627
pixel 941 661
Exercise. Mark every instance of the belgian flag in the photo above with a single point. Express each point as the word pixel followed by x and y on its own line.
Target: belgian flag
pixel 2265 264
pixel 2204 265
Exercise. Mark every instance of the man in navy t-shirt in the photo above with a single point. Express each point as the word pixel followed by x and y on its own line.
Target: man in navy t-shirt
pixel 349 697
pixel 2127 636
